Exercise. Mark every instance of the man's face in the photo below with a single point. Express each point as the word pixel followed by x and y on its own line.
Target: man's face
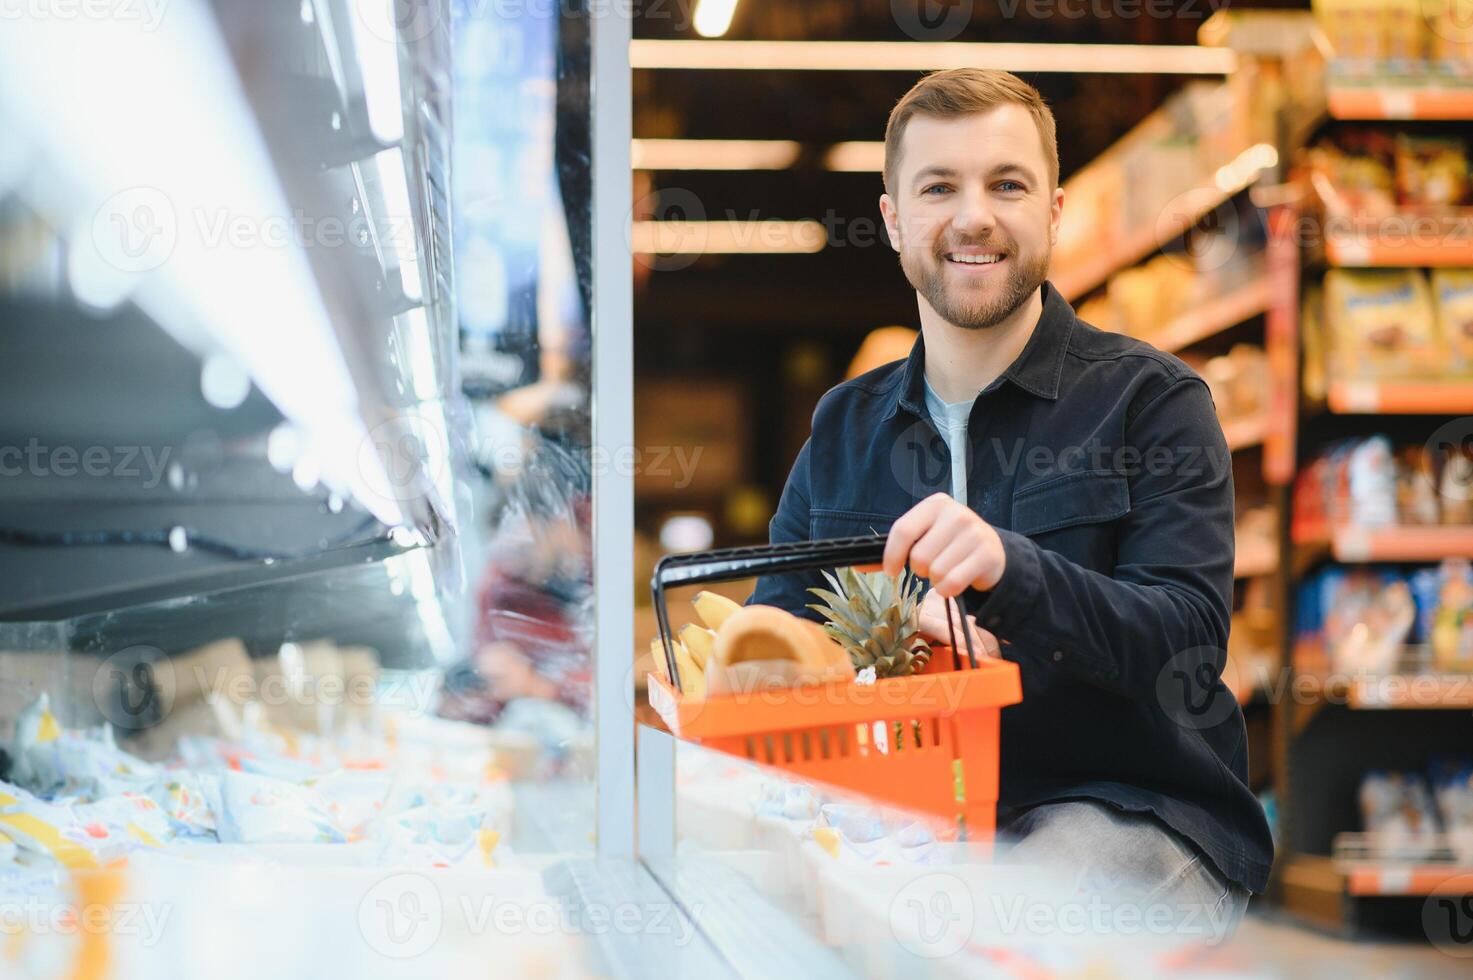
pixel 973 214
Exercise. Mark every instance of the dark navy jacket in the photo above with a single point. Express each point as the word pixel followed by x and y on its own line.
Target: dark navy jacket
pixel 1101 462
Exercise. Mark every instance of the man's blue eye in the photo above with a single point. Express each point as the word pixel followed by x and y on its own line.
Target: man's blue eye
pixel 1010 185
pixel 934 187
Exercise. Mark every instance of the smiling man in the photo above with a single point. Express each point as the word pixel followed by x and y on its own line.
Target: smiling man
pixel 1073 489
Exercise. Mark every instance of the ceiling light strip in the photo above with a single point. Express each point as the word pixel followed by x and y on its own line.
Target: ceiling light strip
pixel 1078 59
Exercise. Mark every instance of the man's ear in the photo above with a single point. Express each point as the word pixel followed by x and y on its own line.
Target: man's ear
pixel 1056 212
pixel 891 216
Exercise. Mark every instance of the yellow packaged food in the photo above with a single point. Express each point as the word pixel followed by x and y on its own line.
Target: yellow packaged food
pixel 1452 291
pixel 1404 30
pixel 1380 324
pixel 1450 30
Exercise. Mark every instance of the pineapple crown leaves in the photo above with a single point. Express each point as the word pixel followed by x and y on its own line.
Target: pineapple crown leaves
pixel 875 617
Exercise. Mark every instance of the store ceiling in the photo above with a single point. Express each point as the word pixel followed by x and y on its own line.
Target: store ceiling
pixel 855 284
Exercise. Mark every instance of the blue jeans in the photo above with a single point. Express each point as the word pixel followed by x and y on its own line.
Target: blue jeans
pixel 1131 862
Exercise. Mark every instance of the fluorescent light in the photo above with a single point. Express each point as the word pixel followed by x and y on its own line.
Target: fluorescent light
pixel 1080 59
pixel 729 237
pixel 1244 169
pixel 859 156
pixel 398 218
pixel 712 154
pixel 415 329
pixel 713 17
pixel 375 40
pixel 116 164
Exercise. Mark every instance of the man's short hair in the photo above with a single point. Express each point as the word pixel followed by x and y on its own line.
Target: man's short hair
pixel 962 92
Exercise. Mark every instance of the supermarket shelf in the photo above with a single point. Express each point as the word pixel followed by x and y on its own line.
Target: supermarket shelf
pixel 1214 316
pixel 1407 542
pixel 1400 240
pixel 1429 102
pixel 1401 397
pixel 1245 432
pixel 1378 865
pixel 1138 244
pixel 1397 692
pixel 1411 879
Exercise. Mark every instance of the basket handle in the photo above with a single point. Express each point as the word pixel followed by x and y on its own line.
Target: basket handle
pixel 729 564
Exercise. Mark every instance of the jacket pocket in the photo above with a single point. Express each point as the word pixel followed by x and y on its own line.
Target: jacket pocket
pixel 847 523
pixel 1081 498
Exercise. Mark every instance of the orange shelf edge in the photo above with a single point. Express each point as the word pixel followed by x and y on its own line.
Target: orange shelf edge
pixel 1420 879
pixel 1437 397
pixel 1400 103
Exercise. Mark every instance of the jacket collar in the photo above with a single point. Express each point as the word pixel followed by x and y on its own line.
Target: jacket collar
pixel 1037 369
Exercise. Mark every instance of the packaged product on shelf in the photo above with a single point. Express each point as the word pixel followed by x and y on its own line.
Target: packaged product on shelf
pixel 1451 40
pixel 1452 290
pixel 1452 790
pixel 1371 482
pixel 1455 485
pixel 1352 27
pixel 1431 171
pixel 1368 617
pixel 88 765
pixel 73 837
pixel 1452 625
pixel 262 810
pixel 1381 324
pixel 1416 486
pixel 1404 30
pixel 1312 330
pixel 190 800
pixel 1355 172
pixel 1398 809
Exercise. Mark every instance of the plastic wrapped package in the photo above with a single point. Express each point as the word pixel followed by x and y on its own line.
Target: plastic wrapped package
pixel 88 765
pixel 261 810
pixel 79 837
pixel 1398 809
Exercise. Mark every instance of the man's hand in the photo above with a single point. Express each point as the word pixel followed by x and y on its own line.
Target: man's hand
pixel 948 543
pixel 934 630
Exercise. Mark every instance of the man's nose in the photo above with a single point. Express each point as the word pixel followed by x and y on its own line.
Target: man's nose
pixel 974 215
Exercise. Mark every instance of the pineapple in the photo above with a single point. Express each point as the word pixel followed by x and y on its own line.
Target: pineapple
pixel 875 618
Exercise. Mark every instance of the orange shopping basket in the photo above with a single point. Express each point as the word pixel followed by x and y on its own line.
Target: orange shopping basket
pixel 927 742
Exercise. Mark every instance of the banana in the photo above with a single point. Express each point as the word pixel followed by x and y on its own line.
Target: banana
pixel 698 642
pixel 692 677
pixel 713 609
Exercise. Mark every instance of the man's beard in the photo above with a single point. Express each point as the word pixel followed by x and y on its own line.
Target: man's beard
pixel 976 314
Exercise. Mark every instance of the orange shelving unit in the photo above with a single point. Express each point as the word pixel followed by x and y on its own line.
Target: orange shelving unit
pixel 1432 397
pixel 1347 102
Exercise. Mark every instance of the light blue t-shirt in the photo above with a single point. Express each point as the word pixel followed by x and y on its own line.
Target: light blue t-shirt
pixel 951 421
